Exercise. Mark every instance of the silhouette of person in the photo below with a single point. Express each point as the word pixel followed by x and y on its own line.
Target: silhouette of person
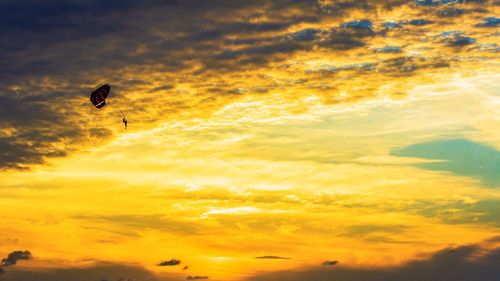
pixel 124 120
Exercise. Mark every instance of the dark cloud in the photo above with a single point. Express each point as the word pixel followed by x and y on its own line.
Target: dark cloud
pixel 16 256
pixel 272 258
pixel 65 28
pixel 257 54
pixel 39 126
pixel 162 88
pixel 345 6
pixel 171 262
pixel 455 38
pixel 393 67
pixel 459 264
pixel 450 12
pixel 100 271
pixel 79 42
pixel 308 34
pixel 330 263
pixel 359 24
pixel 349 35
pixel 490 22
pixel 461 41
pixel 418 22
pixel 408 65
pixel 51 48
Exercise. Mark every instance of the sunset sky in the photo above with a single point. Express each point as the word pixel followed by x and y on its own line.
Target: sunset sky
pixel 266 137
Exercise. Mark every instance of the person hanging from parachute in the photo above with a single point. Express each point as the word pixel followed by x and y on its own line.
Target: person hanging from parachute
pixel 98 99
pixel 124 120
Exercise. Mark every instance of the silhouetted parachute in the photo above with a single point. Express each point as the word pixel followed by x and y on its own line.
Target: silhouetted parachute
pixel 98 97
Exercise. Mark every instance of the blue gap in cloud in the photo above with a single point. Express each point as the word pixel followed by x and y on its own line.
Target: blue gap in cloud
pixel 460 156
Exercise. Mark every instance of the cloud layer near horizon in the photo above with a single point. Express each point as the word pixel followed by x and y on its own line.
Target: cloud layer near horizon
pixel 455 263
pixel 467 262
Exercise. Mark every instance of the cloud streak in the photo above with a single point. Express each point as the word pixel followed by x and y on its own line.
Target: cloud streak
pixel 272 258
pixel 171 262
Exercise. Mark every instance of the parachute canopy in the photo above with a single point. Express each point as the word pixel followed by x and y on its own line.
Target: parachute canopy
pixel 98 97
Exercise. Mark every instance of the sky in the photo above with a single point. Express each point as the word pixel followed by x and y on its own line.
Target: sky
pixel 267 140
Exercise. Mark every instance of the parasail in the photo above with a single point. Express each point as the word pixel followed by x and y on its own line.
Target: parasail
pixel 98 97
